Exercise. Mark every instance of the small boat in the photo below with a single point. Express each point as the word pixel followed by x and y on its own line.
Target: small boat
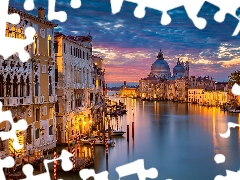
pixel 236 111
pixel 117 133
pixel 97 141
pixel 124 111
pixel 85 140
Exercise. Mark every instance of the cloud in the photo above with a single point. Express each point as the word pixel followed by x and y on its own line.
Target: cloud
pixel 129 45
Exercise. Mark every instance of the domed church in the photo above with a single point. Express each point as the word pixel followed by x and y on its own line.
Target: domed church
pixel 161 70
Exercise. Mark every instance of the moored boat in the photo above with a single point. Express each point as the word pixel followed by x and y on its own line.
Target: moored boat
pixel 117 133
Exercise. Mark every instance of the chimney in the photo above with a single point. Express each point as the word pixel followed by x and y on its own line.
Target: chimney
pixel 41 13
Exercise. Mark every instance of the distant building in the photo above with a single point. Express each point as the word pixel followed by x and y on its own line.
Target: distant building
pixel 160 69
pixel 128 91
pixel 196 95
pixel 160 84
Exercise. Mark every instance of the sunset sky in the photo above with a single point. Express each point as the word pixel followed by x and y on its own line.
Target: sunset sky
pixel 130 45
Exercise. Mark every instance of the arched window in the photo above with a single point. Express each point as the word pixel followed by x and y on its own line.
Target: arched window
pixel 36 83
pixel 50 85
pixel 15 87
pixel 8 86
pixel 21 87
pixel 27 87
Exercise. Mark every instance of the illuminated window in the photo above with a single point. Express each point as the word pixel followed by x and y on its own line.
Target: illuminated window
pixel 49 45
pixel 35 44
pixel 51 112
pixel 7 31
pixel 13 32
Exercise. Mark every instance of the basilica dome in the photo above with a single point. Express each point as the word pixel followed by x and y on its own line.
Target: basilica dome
pixel 178 68
pixel 160 67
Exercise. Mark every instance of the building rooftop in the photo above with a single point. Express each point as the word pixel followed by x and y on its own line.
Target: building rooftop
pixel 30 16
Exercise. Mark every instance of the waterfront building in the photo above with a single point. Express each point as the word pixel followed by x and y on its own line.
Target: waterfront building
pixel 160 84
pixel 196 95
pixel 171 91
pixel 145 87
pixel 99 93
pixel 161 89
pixel 215 97
pixel 128 91
pixel 28 89
pixel 200 81
pixel 74 85
pixel 181 87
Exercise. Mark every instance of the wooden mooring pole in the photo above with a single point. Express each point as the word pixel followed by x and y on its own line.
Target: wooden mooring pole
pixel 128 133
pixel 132 129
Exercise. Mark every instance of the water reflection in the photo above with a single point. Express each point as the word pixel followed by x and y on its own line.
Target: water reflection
pixel 180 140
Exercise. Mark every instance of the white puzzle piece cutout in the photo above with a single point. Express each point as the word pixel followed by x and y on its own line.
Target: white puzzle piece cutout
pixel 66 166
pixel 21 125
pixel 9 45
pixel 192 9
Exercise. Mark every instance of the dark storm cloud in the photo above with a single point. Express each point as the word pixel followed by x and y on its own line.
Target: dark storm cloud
pixel 129 42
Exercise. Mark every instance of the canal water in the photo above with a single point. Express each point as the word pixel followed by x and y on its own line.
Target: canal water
pixel 179 140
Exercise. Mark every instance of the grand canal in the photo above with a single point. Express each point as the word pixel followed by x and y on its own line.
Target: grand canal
pixel 180 140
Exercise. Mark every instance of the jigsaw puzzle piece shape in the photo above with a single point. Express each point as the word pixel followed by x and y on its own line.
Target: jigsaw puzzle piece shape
pixel 236 89
pixel 28 5
pixel 193 8
pixel 159 5
pixel 230 175
pixel 7 162
pixel 87 173
pixel 66 164
pixel 5 17
pixel 230 125
pixel 116 6
pixel 28 171
pixel 6 47
pixel 226 7
pixel 137 167
pixel 75 4
pixel 20 126
pixel 53 15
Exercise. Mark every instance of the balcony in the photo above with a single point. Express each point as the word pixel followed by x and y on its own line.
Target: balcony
pixel 82 86
pixel 52 98
pixel 38 99
pixel 16 101
pixel 27 100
